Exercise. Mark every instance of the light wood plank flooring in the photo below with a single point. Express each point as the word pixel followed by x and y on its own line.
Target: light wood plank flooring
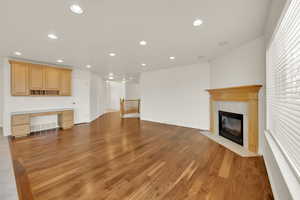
pixel 117 159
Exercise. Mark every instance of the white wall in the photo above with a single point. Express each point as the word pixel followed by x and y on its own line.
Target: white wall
pixel 1 91
pixel 115 91
pixel 97 97
pixel 81 95
pixel 82 82
pixel 242 66
pixel 132 91
pixel 8 186
pixel 177 96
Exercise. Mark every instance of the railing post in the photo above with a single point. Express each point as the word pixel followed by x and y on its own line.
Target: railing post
pixel 135 109
pixel 122 107
pixel 139 103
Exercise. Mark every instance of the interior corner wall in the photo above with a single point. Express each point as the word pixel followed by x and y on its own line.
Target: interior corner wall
pixel 177 96
pixel 245 65
pixel 242 66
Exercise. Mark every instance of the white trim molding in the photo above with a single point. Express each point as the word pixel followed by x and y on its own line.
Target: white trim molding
pixel 284 182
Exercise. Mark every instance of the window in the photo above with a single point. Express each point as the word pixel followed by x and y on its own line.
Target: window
pixel 283 85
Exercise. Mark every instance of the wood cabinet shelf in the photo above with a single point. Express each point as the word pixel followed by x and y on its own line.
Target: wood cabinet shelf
pixel 29 79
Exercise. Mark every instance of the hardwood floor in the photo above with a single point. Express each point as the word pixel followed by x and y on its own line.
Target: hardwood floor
pixel 129 159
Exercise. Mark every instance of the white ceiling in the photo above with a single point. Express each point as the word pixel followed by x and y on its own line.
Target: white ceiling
pixel 118 26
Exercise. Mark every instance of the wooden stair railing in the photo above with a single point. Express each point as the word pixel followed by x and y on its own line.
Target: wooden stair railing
pixel 128 106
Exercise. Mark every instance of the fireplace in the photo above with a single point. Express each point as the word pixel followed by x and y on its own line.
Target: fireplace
pixel 231 126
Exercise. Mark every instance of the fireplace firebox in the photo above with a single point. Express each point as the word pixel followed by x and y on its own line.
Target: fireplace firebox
pixel 231 126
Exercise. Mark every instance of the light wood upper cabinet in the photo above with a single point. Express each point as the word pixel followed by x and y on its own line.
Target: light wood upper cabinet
pixel 36 77
pixel 52 78
pixel 65 82
pixel 29 79
pixel 19 79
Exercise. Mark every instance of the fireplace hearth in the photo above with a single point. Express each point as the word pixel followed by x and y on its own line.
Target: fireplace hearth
pixel 231 126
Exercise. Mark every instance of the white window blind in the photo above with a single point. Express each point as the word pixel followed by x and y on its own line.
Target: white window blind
pixel 283 85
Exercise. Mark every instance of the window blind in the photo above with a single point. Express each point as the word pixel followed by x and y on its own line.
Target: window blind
pixel 283 86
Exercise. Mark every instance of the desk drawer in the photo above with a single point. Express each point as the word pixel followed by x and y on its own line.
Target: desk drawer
pixel 20 120
pixel 18 131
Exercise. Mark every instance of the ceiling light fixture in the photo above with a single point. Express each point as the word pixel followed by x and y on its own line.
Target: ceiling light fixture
pixel 111 78
pixel 60 61
pixel 197 22
pixel 172 58
pixel 143 64
pixel 75 8
pixel 88 66
pixel 52 36
pixel 112 54
pixel 17 53
pixel 143 43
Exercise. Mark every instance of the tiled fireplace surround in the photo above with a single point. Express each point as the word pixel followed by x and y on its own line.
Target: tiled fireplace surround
pixel 233 107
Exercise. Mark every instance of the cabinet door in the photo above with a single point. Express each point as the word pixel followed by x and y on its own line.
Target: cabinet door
pixel 52 78
pixel 65 83
pixel 36 77
pixel 19 79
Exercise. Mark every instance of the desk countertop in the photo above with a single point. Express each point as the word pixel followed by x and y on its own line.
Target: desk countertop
pixel 40 111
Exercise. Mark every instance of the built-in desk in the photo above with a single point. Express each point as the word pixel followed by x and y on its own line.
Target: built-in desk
pixel 20 121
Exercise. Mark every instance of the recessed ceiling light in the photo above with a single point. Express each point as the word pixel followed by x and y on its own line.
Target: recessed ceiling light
pixel 88 66
pixel 111 78
pixel 112 54
pixel 143 43
pixel 17 53
pixel 143 64
pixel 198 22
pixel 60 61
pixel 172 58
pixel 75 8
pixel 52 36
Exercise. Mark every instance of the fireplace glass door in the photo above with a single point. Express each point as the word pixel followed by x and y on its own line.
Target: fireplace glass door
pixel 231 126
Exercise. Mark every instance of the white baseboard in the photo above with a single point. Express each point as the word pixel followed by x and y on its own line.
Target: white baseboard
pixel 96 117
pixel 182 124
